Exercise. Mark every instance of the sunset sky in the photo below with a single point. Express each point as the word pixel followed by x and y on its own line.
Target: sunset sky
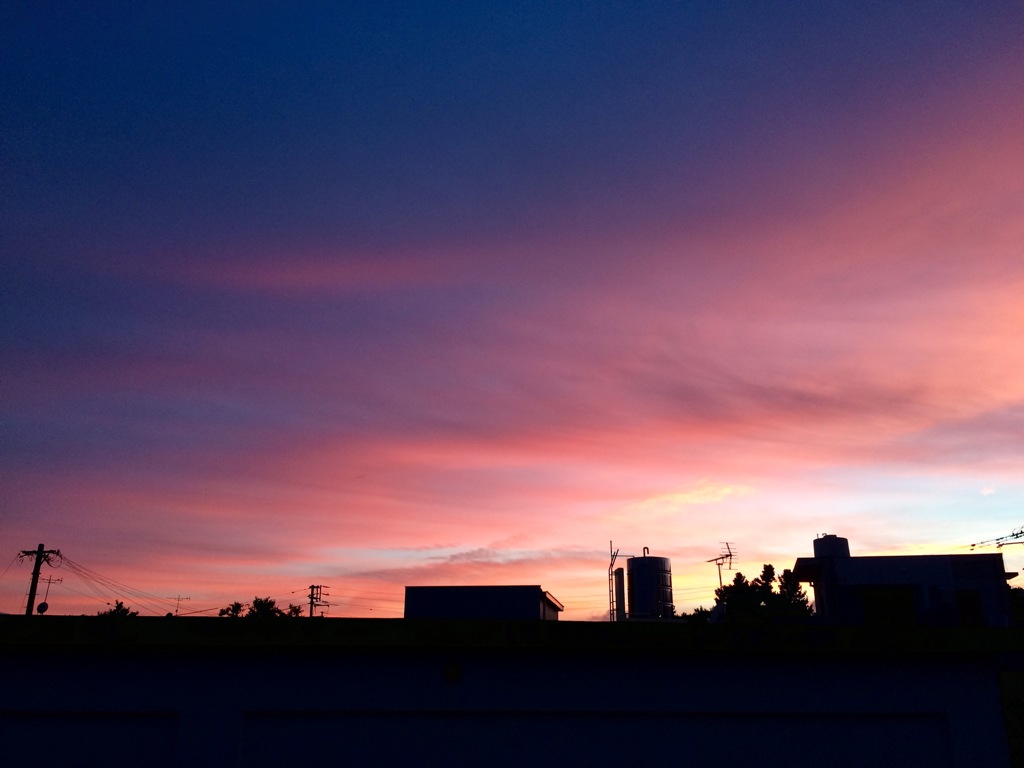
pixel 386 294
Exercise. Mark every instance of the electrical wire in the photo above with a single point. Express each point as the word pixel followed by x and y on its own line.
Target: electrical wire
pixel 200 610
pixel 371 592
pixel 104 587
pixel 375 600
pixel 1002 541
pixel 13 559
pixel 101 598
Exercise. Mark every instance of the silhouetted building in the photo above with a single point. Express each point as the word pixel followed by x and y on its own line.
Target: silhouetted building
pixel 927 590
pixel 488 602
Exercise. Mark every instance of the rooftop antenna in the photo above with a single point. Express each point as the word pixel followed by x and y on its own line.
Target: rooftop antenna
pixel 611 582
pixel 177 600
pixel 617 586
pixel 1001 541
pixel 44 606
pixel 724 559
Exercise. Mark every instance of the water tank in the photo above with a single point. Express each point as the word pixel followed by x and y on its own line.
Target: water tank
pixel 829 545
pixel 650 587
pixel 620 595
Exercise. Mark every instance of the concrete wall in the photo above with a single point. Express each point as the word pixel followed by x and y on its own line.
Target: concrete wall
pixel 225 692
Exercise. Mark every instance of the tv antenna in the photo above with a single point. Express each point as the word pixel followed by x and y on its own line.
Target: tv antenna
pixel 44 606
pixel 616 587
pixel 177 605
pixel 724 559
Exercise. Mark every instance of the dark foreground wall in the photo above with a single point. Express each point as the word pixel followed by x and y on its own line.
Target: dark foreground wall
pixel 222 692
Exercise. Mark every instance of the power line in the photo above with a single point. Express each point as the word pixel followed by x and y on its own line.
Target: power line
pixel 200 610
pixel 375 600
pixel 94 596
pixel 104 587
pixel 13 559
pixel 1001 541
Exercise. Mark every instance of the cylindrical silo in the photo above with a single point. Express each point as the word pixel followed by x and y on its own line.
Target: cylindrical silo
pixel 650 587
pixel 830 545
pixel 620 595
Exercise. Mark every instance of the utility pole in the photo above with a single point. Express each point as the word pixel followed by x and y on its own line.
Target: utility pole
pixel 41 554
pixel 315 594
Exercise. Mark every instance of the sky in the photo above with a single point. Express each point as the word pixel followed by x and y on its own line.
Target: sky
pixel 387 294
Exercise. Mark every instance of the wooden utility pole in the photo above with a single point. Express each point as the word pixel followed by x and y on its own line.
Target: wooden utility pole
pixel 316 595
pixel 41 554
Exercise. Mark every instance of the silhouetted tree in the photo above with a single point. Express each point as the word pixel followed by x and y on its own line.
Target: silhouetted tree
pixel 701 614
pixel 118 611
pixel 261 608
pixel 233 611
pixel 758 600
pixel 791 598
